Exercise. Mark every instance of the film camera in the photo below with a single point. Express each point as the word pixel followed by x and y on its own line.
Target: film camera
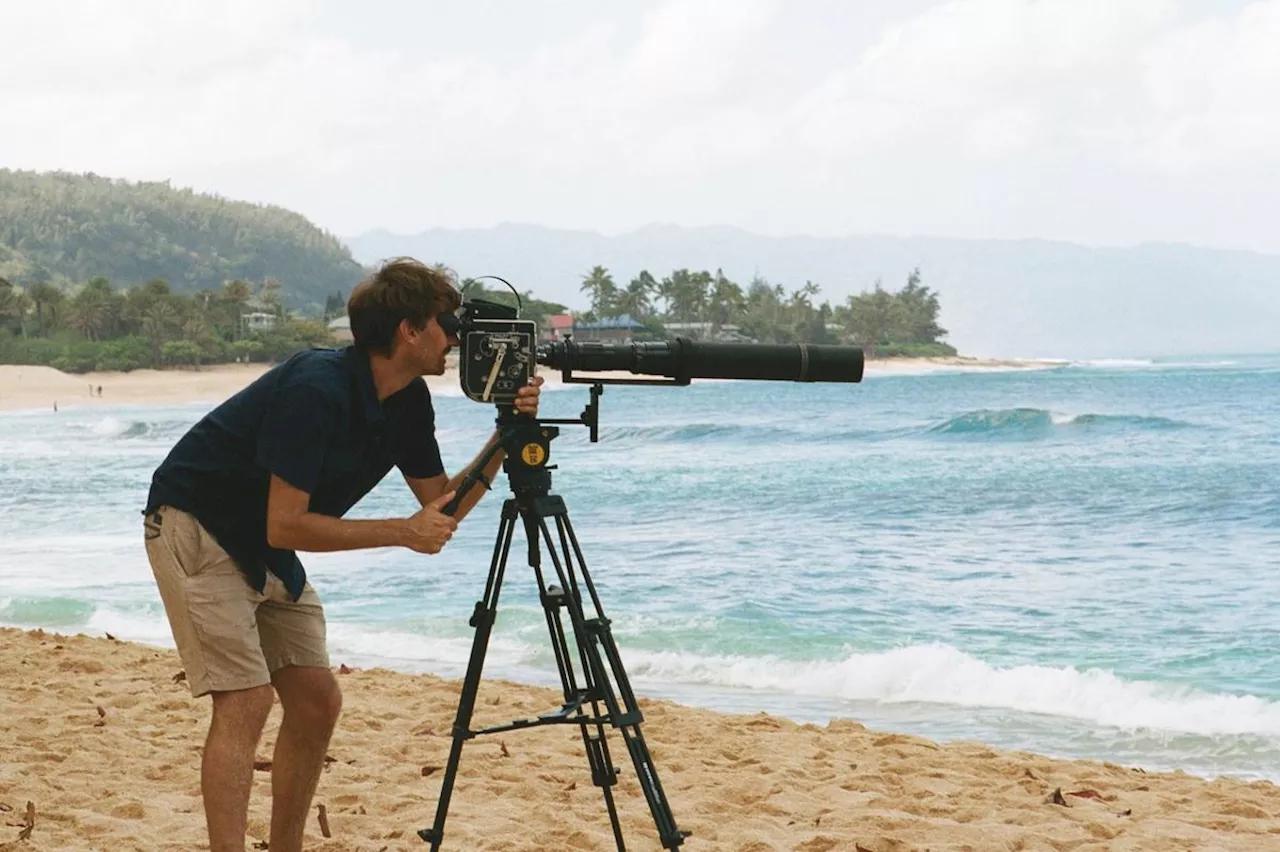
pixel 496 351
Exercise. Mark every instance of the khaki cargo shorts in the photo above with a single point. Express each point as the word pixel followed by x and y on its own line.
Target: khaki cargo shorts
pixel 229 635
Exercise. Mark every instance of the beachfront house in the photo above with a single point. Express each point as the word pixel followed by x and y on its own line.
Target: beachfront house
pixel 557 326
pixel 619 329
pixel 258 321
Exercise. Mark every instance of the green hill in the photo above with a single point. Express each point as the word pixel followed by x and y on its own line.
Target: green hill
pixel 69 228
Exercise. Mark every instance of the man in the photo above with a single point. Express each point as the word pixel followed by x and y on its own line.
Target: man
pixel 269 472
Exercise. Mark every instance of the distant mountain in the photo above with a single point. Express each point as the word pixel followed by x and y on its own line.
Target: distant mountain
pixel 65 227
pixel 1013 298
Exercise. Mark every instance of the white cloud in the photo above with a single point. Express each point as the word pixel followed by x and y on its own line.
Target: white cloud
pixel 1213 88
pixel 1133 81
pixel 971 117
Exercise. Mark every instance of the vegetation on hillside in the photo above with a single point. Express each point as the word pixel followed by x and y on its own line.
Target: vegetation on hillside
pixel 60 228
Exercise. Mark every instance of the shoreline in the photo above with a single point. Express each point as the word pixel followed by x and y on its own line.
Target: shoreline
pixel 36 388
pixel 104 741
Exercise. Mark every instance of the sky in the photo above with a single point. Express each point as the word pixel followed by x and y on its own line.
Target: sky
pixel 1104 122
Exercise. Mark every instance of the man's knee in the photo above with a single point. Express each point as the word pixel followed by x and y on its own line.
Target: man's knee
pixel 243 710
pixel 328 701
pixel 310 694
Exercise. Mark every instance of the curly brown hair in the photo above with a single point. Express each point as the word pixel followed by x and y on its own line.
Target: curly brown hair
pixel 401 289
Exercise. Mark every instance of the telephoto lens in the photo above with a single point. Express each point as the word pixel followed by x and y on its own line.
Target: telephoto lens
pixel 683 359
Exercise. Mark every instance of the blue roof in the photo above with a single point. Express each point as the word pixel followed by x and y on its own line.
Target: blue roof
pixel 624 321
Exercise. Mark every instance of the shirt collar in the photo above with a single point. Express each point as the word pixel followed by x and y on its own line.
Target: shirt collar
pixel 364 381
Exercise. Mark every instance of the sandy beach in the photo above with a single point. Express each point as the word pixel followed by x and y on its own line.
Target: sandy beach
pixel 28 387
pixel 104 741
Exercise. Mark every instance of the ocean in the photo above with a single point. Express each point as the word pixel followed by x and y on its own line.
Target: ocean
pixel 1081 561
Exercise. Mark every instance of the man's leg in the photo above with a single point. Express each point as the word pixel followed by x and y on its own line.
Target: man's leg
pixel 226 773
pixel 210 608
pixel 312 702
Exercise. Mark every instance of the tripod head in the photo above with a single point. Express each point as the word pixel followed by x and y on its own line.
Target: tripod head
pixel 526 443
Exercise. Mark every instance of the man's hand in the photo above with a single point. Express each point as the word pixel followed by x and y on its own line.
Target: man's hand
pixel 430 528
pixel 527 397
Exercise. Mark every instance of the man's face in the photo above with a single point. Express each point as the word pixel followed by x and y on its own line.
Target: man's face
pixel 431 345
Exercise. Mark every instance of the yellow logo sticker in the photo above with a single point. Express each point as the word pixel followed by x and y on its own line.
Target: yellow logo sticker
pixel 533 454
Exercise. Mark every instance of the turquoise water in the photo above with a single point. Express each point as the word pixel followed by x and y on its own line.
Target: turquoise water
pixel 1080 561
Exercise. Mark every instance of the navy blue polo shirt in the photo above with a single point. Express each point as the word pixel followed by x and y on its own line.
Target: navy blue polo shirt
pixel 314 421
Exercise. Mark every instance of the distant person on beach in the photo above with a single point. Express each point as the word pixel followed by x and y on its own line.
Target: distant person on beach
pixel 99 391
pixel 270 472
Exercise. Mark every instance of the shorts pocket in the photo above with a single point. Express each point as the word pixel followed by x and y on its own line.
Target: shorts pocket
pixel 180 534
pixel 221 608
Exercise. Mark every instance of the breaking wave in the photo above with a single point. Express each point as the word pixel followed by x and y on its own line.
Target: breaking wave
pixel 1035 422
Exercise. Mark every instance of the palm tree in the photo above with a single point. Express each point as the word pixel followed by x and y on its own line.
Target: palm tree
pixel 159 322
pixel 652 288
pixel 195 328
pixel 677 290
pixel 47 299
pixel 14 303
pixel 90 317
pixel 700 294
pixel 236 291
pixel 635 300
pixel 727 301
pixel 235 294
pixel 604 292
pixel 271 297
pixel 96 309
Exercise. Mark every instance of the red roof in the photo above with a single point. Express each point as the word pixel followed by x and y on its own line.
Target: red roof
pixel 560 321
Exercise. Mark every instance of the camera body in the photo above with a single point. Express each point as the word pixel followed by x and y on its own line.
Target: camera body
pixel 497 353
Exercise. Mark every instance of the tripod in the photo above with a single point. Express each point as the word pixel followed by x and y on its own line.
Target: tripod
pixel 598 695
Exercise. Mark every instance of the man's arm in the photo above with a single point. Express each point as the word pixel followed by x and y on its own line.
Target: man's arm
pixel 292 526
pixel 430 489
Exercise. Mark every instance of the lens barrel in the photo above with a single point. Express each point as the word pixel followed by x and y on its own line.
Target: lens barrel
pixel 683 359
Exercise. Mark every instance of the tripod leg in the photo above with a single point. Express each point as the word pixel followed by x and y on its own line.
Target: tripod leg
pixel 482 620
pixel 596 646
pixel 646 773
pixel 555 599
pixel 603 773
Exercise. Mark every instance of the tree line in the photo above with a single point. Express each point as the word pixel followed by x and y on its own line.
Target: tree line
pixel 885 323
pixel 100 327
